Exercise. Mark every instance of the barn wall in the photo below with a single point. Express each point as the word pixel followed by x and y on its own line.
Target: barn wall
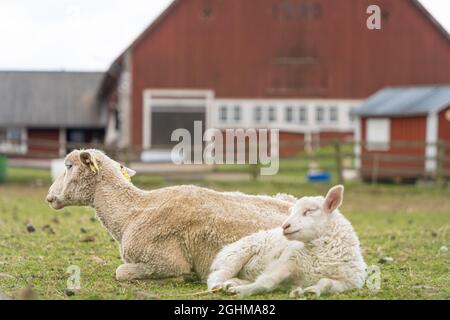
pixel 444 134
pixel 243 50
pixel 289 143
pixel 43 142
pixel 411 130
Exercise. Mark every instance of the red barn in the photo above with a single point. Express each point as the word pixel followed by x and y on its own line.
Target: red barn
pixel 297 65
pixel 400 130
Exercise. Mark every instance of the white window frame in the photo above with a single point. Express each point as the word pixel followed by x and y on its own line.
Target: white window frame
pixel 237 113
pixel 223 110
pixel 305 110
pixel 272 110
pixel 258 110
pixel 378 134
pixel 289 111
pixel 322 120
pixel 13 148
pixel 333 110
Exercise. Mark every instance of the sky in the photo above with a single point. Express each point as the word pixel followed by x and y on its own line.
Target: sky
pixel 88 35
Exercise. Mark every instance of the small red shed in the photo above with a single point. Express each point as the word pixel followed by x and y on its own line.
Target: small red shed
pixel 404 133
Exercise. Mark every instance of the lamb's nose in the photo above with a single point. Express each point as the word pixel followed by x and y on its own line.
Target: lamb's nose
pixel 50 198
pixel 286 226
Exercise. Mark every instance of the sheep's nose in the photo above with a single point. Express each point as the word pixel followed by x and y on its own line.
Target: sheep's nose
pixel 50 198
pixel 286 226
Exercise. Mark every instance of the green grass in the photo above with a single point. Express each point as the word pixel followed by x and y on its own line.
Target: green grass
pixel 408 223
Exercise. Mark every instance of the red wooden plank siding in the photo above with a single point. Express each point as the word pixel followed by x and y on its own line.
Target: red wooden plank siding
pixel 43 141
pixel 236 48
pixel 408 130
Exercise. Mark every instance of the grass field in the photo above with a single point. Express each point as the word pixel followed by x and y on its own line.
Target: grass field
pixel 407 223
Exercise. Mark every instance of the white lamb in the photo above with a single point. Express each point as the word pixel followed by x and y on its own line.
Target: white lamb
pixel 315 251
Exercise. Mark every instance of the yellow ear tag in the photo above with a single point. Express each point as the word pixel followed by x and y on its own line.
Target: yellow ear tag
pixel 125 173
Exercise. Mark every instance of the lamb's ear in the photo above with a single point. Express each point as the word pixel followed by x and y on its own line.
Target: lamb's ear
pixel 88 159
pixel 334 198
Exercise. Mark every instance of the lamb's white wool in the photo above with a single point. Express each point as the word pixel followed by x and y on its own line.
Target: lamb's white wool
pixel 164 233
pixel 315 251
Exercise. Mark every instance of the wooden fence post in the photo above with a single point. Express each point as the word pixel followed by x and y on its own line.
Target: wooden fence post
pixel 254 171
pixel 338 154
pixel 375 168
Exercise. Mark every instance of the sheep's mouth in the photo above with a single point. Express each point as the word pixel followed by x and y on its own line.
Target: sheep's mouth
pixel 56 205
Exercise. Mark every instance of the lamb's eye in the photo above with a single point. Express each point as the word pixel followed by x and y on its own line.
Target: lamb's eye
pixel 68 166
pixel 309 211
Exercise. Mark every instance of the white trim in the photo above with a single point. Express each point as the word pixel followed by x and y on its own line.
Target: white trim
pixel 344 123
pixel 431 140
pixel 357 146
pixel 173 98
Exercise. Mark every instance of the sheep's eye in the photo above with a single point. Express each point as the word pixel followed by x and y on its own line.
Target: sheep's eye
pixel 68 166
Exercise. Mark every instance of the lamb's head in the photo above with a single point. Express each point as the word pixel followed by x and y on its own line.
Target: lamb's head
pixel 85 169
pixel 309 215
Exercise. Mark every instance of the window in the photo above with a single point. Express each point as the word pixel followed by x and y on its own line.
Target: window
pixel 237 113
pixel 334 115
pixel 302 115
pixel 351 116
pixel 272 114
pixel 320 114
pixel 223 114
pixel 289 114
pixel 13 140
pixel 378 134
pixel 257 114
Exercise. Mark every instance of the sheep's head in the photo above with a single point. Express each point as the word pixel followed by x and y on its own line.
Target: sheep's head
pixel 84 170
pixel 309 215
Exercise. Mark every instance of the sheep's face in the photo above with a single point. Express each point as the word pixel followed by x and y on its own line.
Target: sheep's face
pixel 309 215
pixel 75 187
pixel 84 169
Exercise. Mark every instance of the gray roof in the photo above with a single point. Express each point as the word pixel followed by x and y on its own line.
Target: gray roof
pixel 50 99
pixel 409 101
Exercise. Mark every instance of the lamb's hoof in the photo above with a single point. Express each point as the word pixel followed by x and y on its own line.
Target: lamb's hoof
pixel 240 291
pixel 297 294
pixel 227 285
pixel 312 292
pixel 216 287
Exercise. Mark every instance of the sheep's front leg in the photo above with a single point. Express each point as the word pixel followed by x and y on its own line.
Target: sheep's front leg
pixel 132 271
pixel 323 286
pixel 277 272
pixel 140 271
pixel 227 265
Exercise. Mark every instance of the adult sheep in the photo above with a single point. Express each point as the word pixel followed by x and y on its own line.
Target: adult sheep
pixel 172 232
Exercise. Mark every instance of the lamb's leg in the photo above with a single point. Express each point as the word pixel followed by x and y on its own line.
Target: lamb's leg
pixel 227 265
pixel 277 272
pixel 323 286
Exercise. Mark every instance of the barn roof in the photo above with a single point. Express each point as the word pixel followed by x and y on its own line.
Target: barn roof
pixel 399 101
pixel 50 99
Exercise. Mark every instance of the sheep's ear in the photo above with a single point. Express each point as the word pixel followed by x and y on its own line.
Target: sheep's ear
pixel 334 198
pixel 88 159
pixel 130 172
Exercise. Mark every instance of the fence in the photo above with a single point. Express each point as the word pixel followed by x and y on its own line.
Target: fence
pixel 404 160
